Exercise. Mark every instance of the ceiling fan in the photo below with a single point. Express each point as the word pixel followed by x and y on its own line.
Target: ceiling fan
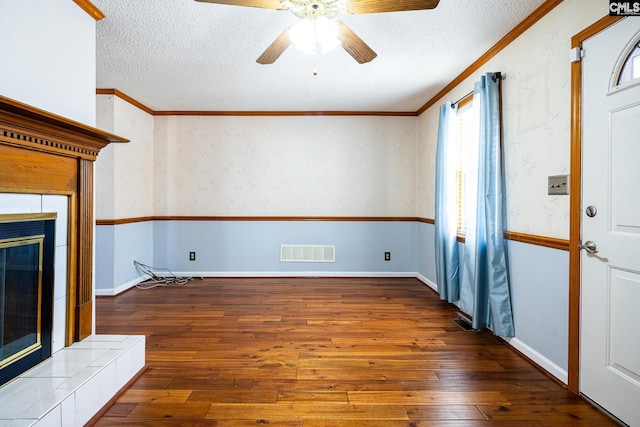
pixel 319 22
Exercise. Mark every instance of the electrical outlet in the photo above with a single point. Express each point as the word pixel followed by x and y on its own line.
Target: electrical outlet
pixel 192 256
pixel 387 256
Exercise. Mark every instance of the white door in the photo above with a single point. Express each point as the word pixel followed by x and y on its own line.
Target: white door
pixel 610 282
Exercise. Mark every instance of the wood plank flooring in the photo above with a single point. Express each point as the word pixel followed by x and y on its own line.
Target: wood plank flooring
pixel 323 352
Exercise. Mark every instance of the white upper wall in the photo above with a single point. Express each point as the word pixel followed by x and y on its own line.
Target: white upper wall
pixel 48 56
pixel 536 114
pixel 254 166
pixel 124 172
pixel 285 166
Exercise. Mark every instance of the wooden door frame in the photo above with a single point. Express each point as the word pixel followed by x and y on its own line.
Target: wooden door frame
pixel 575 214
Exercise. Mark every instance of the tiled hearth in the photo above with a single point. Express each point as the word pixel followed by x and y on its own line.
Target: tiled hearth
pixel 72 386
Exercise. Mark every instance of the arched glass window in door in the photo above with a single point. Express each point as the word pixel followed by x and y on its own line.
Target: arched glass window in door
pixel 631 66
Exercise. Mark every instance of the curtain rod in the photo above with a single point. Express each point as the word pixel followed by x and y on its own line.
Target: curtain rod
pixel 497 75
pixel 453 105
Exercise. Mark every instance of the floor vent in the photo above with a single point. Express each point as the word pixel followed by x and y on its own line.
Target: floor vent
pixel 464 324
pixel 307 253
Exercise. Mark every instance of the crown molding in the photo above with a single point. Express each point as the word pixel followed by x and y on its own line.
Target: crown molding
pixel 91 9
pixel 134 102
pixel 516 32
pixel 127 98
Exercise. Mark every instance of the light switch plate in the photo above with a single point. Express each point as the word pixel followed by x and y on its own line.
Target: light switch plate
pixel 558 185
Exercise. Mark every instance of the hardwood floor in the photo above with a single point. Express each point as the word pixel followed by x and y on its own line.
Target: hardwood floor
pixel 323 352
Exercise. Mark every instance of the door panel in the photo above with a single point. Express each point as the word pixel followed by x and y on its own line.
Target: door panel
pixel 610 278
pixel 624 293
pixel 625 176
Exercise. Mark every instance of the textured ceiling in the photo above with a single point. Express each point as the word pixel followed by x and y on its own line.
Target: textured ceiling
pixel 187 55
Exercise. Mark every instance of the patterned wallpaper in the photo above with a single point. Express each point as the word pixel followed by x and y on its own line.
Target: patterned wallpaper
pixel 104 168
pixel 536 118
pixel 285 166
pixel 124 172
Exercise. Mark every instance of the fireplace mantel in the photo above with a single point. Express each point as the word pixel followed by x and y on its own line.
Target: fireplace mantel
pixel 43 153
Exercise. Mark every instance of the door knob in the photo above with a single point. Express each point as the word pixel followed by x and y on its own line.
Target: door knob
pixel 589 246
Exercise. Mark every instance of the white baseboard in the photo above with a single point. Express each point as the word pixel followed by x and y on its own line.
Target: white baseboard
pixel 198 274
pixel 546 364
pixel 427 282
pixel 115 291
pixel 293 274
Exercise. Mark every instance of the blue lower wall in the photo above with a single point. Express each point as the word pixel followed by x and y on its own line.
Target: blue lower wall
pixel 105 267
pixel 116 248
pixel 540 301
pixel 253 247
pixel 425 253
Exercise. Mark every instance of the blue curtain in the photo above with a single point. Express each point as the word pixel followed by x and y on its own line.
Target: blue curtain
pixel 447 263
pixel 484 284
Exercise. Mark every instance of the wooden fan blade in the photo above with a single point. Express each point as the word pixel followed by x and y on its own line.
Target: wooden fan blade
pixel 380 6
pixel 264 4
pixel 354 45
pixel 275 49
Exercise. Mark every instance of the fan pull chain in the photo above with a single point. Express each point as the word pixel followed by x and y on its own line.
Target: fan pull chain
pixel 315 53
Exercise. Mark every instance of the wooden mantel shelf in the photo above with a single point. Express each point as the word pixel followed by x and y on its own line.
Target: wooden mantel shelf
pixel 45 131
pixel 43 153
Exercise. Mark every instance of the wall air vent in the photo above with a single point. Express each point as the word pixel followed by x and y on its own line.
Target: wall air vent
pixel 307 253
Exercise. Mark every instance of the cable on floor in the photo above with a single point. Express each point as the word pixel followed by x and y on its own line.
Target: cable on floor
pixel 158 276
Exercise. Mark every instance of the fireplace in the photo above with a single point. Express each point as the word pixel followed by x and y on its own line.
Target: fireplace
pixel 46 165
pixel 44 154
pixel 27 246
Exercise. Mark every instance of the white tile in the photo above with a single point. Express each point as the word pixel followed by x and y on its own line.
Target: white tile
pixel 52 419
pixel 20 203
pixel 93 395
pixel 22 422
pixel 22 393
pixel 130 363
pixel 87 345
pixel 60 279
pixel 133 340
pixel 46 405
pixel 59 205
pixel 59 323
pixel 65 364
pixel 107 338
pixel 68 408
pixel 107 359
pixel 83 376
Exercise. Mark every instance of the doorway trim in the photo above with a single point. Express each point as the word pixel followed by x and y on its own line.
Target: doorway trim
pixel 575 216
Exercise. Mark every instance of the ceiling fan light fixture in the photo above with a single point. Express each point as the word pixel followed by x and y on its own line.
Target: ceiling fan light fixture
pixel 308 34
pixel 303 36
pixel 326 34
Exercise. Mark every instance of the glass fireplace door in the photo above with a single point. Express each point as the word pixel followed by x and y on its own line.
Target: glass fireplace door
pixel 20 297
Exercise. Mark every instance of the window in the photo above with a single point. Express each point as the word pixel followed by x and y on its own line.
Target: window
pixel 631 68
pixel 467 161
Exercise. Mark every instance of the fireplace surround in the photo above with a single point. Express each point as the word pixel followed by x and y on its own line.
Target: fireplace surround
pixel 43 153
